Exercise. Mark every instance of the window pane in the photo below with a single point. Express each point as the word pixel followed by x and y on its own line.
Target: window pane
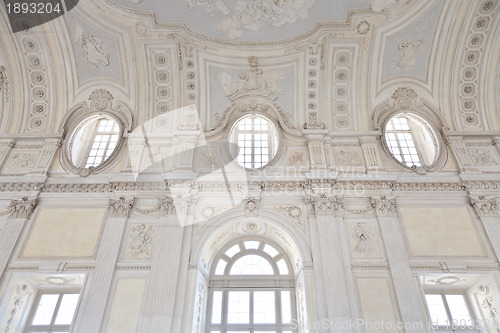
pixel 67 309
pixel 45 309
pixel 286 307
pixel 283 268
pixel 217 307
pixel 221 266
pixel 238 309
pixel 458 308
pixel 270 250
pixel 437 309
pixel 232 251
pixel 252 245
pixel 252 265
pixel 264 307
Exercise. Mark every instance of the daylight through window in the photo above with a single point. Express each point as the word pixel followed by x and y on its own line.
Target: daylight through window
pixel 410 140
pixel 257 140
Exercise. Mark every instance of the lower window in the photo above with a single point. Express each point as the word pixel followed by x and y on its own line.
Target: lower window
pixel 253 310
pixel 450 312
pixel 53 312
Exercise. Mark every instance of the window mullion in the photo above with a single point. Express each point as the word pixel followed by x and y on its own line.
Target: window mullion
pixel 56 310
pixel 448 312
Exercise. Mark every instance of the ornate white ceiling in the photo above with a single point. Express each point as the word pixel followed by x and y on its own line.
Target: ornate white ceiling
pixel 330 62
pixel 248 20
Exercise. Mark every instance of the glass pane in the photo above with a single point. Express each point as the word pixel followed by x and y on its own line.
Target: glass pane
pixel 217 307
pixel 270 250
pixel 283 268
pixel 238 307
pixel 252 265
pixel 45 309
pixel 221 266
pixel 286 307
pixel 232 251
pixel 264 307
pixel 252 245
pixel 437 310
pixel 67 309
pixel 458 308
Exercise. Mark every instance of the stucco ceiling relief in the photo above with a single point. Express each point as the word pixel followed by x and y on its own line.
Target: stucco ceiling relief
pixel 408 51
pixel 38 82
pixel 470 67
pixel 96 51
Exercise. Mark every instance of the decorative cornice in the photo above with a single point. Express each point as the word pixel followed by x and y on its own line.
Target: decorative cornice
pixel 120 207
pixel 21 208
pixel 485 207
pixel 324 205
pixel 269 186
pixel 384 206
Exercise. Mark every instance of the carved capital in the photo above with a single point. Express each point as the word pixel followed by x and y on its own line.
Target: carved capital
pixel 485 207
pixel 384 206
pixel 21 208
pixel 120 207
pixel 324 205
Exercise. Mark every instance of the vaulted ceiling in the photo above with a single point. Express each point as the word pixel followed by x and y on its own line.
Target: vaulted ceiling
pixel 338 60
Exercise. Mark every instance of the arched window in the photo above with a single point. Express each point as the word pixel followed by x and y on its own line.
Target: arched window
pixel 251 289
pixel 257 140
pixel 94 141
pixel 411 140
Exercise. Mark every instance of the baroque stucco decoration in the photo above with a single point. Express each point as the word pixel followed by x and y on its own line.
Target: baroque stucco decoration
pixel 405 100
pixel 100 104
pixel 249 15
pixel 22 208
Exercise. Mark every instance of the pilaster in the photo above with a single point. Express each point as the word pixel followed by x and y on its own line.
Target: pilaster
pixel 159 302
pixel 407 293
pixel 92 313
pixel 336 266
pixel 488 211
pixel 18 212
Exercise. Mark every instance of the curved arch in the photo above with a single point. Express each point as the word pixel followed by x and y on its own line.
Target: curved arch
pixel 406 101
pixel 228 226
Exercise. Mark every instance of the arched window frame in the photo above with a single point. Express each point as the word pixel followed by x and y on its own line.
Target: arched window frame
pixel 420 160
pixel 100 107
pixel 405 101
pixel 274 146
pixel 226 283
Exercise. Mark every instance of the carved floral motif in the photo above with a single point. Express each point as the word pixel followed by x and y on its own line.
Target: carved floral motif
pixel 100 99
pixel 483 157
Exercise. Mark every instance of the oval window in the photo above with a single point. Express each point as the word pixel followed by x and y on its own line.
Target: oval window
pixel 411 140
pixel 94 141
pixel 256 139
